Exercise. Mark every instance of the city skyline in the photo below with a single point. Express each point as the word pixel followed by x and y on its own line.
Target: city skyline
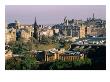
pixel 52 14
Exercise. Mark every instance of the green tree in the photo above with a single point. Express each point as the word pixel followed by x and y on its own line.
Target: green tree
pixel 45 39
pixel 20 47
pixel 29 62
pixel 23 63
pixel 59 64
pixel 77 64
pixel 33 40
pixel 12 64
pixel 85 61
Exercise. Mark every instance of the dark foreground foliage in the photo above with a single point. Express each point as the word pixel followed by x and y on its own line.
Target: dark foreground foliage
pixel 29 63
pixel 66 65
pixel 23 63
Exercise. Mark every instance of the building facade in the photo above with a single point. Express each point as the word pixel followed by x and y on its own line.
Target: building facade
pixel 82 31
pixel 15 31
pixel 10 35
pixel 65 56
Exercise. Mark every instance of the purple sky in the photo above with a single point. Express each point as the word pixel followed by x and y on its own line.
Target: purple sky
pixel 52 14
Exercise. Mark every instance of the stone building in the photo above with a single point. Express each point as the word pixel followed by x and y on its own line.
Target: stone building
pixel 10 35
pixel 65 56
pixel 50 56
pixel 95 27
pixel 46 32
pixel 70 29
pixel 18 31
pixel 8 54
pixel 82 31
pixel 94 31
pixel 25 34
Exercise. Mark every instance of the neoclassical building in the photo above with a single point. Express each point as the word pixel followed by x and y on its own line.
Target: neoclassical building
pixel 64 56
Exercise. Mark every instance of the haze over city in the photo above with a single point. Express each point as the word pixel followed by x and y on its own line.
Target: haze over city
pixel 70 37
pixel 52 14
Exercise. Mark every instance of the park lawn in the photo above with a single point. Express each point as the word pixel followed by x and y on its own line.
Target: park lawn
pixel 51 45
pixel 46 46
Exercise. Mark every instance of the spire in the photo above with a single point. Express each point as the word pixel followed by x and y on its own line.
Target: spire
pixel 35 34
pixel 65 19
pixel 93 15
pixel 35 23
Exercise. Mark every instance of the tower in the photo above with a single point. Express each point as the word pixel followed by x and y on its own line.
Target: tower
pixel 82 31
pixel 93 16
pixel 35 34
pixel 65 21
pixel 17 24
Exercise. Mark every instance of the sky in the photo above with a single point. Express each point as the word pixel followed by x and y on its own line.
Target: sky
pixel 52 14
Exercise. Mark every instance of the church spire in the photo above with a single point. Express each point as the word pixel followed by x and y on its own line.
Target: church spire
pixel 35 23
pixel 36 32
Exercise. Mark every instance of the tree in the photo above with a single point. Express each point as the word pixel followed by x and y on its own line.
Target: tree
pixel 33 40
pixel 20 47
pixel 12 64
pixel 85 61
pixel 54 38
pixel 23 63
pixel 29 62
pixel 77 64
pixel 59 64
pixel 45 40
